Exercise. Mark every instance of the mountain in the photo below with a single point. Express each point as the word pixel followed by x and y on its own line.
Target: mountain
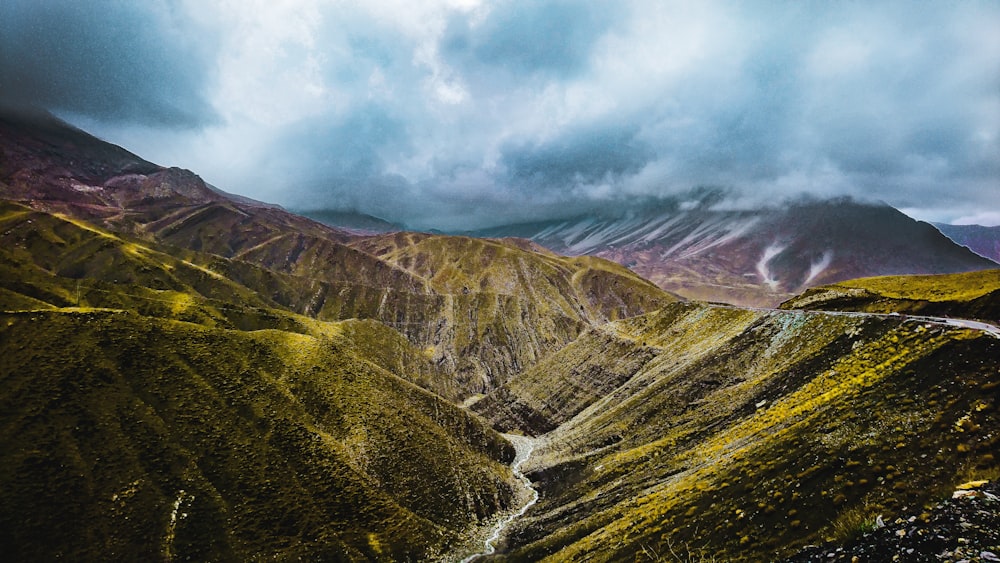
pixel 359 223
pixel 154 408
pixel 756 257
pixel 316 270
pixel 984 241
pixel 193 375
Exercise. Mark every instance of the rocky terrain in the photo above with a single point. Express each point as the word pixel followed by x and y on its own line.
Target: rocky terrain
pixel 964 528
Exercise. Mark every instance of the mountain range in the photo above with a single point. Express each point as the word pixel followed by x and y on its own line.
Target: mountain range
pixel 189 374
pixel 757 257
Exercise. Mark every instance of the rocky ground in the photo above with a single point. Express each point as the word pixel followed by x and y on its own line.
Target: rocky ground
pixel 963 529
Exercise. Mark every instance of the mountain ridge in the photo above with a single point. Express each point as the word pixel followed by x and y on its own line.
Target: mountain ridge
pixel 984 241
pixel 756 257
pixel 335 275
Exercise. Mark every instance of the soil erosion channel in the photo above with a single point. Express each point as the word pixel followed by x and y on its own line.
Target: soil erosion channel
pixel 523 445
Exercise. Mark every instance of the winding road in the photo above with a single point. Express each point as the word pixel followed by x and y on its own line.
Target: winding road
pixel 992 330
pixel 524 446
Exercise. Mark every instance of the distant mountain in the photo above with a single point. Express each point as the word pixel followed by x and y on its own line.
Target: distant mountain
pixel 984 241
pixel 756 257
pixel 359 223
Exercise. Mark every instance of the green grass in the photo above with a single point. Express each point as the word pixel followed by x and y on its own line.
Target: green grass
pixel 972 295
pixel 942 287
pixel 747 433
pixel 275 444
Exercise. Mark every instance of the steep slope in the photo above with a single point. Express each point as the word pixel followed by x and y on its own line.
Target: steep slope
pixel 757 257
pixel 247 430
pixel 973 295
pixel 505 308
pixel 136 438
pixel 984 241
pixel 744 434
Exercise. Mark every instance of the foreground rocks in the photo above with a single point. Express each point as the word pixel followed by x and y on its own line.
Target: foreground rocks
pixel 965 528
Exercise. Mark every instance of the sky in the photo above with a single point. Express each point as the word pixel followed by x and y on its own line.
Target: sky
pixel 459 114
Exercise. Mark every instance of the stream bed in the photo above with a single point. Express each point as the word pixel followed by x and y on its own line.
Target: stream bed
pixel 524 446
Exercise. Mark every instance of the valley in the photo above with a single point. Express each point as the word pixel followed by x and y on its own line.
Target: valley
pixel 192 375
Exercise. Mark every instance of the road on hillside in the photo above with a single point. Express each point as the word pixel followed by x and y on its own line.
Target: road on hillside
pixel 988 328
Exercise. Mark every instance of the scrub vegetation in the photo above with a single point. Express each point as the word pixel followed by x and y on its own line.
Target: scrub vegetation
pixel 748 433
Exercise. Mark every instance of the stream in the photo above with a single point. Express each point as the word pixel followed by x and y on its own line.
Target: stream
pixel 523 446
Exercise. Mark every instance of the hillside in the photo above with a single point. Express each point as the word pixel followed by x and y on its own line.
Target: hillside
pixel 504 307
pixel 973 295
pixel 756 257
pixel 169 347
pixel 744 435
pixel 133 437
pixel 139 383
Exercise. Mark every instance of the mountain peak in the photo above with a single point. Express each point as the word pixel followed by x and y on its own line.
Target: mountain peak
pixel 756 256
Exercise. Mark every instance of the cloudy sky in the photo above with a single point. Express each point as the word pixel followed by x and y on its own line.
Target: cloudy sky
pixel 464 113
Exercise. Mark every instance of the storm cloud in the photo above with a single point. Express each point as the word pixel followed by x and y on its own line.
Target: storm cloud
pixel 113 60
pixel 465 113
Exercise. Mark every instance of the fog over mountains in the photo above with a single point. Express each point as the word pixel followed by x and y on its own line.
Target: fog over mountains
pixel 756 257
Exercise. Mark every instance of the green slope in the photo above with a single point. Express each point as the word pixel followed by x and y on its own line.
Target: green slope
pixel 745 434
pixel 133 438
pixel 153 408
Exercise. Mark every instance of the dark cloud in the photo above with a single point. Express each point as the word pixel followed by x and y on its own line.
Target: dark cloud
pixel 105 59
pixel 343 162
pixel 589 156
pixel 527 36
pixel 453 117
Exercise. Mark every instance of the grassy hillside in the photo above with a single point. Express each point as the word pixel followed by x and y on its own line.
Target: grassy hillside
pixel 524 304
pixel 153 409
pixel 136 438
pixel 744 434
pixel 505 308
pixel 518 306
pixel 972 295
